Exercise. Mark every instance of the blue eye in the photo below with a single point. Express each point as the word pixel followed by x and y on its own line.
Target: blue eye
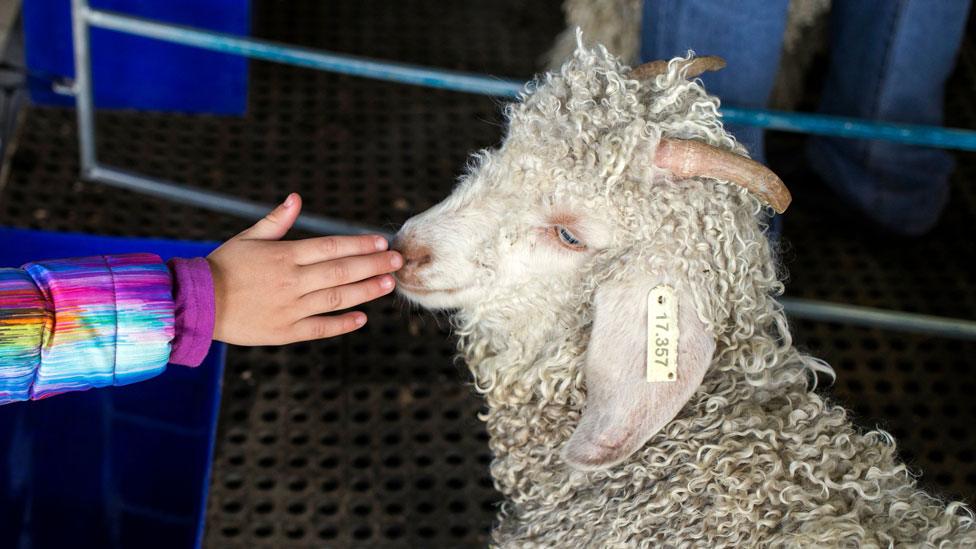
pixel 567 238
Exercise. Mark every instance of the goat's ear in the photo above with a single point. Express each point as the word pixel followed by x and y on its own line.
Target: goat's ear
pixel 623 410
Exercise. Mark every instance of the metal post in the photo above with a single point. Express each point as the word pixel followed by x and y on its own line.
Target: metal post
pixel 84 95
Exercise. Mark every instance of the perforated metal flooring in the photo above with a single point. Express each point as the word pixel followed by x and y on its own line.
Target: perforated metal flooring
pixel 372 440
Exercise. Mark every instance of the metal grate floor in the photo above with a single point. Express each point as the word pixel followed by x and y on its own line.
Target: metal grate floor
pixel 372 439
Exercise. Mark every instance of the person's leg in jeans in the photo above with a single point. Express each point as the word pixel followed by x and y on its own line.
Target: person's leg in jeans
pixel 889 61
pixel 748 34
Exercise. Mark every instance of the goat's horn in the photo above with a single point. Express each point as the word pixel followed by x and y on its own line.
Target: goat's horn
pixel 686 158
pixel 695 67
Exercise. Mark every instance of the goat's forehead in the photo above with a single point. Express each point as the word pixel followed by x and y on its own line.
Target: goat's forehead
pixel 593 216
pixel 554 174
pixel 527 181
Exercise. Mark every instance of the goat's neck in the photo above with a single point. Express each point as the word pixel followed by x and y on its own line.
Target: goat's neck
pixel 532 381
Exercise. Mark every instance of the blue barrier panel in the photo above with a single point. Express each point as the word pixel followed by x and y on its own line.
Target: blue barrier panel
pixel 116 467
pixel 135 72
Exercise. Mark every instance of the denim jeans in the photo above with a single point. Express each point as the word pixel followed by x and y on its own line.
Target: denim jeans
pixel 889 60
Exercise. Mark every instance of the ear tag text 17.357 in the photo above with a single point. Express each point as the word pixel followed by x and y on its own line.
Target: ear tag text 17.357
pixel 662 335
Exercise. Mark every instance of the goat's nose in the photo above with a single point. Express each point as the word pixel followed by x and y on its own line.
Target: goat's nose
pixel 419 258
pixel 415 258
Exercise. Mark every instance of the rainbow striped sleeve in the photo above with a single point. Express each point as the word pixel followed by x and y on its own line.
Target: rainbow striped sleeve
pixel 75 324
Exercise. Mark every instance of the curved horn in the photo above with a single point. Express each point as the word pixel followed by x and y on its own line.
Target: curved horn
pixel 694 67
pixel 686 158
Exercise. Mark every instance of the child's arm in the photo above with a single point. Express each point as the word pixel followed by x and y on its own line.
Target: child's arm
pixel 73 324
pixel 76 324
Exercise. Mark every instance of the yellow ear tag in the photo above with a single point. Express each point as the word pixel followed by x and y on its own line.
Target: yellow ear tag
pixel 662 335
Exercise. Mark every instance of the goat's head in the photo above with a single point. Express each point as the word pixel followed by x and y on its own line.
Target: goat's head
pixel 608 184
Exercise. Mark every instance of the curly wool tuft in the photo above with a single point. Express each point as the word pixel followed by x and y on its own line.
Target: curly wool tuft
pixel 755 458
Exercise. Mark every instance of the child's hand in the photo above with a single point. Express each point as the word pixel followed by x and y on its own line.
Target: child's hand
pixel 273 293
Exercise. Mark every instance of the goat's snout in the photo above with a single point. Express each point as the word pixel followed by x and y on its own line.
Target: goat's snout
pixel 416 257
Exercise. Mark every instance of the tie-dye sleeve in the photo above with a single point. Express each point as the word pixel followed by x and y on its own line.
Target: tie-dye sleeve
pixel 74 324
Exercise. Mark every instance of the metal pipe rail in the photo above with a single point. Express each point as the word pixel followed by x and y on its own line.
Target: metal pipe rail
pixel 218 201
pixel 910 134
pixel 879 318
pixel 84 17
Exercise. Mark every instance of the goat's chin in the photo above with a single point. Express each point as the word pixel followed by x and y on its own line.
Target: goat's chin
pixel 435 299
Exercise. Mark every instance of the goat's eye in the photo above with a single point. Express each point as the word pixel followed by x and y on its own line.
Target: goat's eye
pixel 567 238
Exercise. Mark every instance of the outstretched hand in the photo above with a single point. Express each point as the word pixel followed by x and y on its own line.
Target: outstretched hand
pixel 270 292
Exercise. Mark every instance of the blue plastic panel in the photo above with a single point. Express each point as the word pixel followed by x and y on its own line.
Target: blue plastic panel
pixel 118 467
pixel 141 73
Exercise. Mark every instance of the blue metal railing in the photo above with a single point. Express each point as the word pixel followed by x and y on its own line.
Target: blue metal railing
pixel 819 124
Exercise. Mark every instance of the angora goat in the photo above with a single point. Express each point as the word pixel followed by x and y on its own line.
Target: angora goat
pixel 611 182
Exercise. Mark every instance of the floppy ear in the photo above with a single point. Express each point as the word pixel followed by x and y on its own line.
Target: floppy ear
pixel 623 410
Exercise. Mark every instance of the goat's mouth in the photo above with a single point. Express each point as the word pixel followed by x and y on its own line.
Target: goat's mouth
pixel 422 290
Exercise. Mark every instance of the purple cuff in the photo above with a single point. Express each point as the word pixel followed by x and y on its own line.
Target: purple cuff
pixel 193 295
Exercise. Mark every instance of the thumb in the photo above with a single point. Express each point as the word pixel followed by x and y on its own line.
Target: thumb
pixel 277 223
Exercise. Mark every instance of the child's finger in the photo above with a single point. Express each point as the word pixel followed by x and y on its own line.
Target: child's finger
pixel 326 248
pixel 348 270
pixel 343 297
pixel 321 327
pixel 278 222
